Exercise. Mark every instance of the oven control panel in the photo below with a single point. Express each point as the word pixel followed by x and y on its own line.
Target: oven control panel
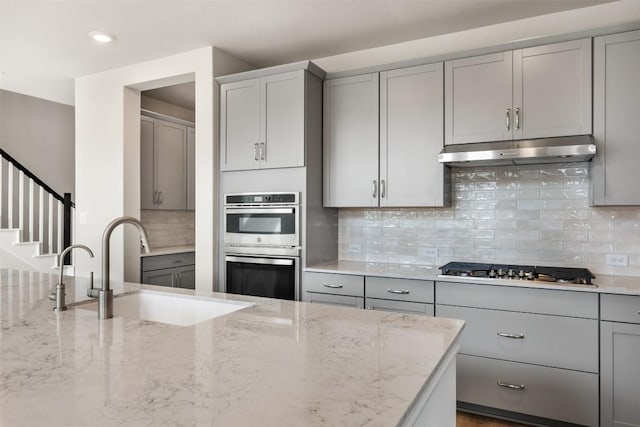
pixel 261 198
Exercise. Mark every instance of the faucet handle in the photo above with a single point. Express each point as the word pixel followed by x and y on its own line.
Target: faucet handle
pixel 92 292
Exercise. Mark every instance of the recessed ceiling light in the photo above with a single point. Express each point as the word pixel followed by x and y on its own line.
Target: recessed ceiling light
pixel 101 36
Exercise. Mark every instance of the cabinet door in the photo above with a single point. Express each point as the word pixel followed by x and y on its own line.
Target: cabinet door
pixel 187 277
pixel 552 90
pixel 191 169
pixel 171 163
pixel 619 374
pixel 344 300
pixel 240 125
pixel 351 141
pixel 411 137
pixel 399 306
pixel 164 277
pixel 282 129
pixel 616 71
pixel 148 129
pixel 478 99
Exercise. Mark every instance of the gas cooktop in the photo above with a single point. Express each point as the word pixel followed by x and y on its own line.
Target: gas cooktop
pixel 576 276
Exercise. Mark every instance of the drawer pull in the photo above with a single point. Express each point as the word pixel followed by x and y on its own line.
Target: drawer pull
pixel 397 291
pixel 177 261
pixel 508 335
pixel 511 386
pixel 329 285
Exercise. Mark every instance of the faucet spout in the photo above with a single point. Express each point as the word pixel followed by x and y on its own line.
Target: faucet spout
pixel 105 295
pixel 60 294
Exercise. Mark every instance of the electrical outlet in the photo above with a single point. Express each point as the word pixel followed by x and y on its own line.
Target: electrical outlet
pixel 355 248
pixel 616 259
pixel 429 252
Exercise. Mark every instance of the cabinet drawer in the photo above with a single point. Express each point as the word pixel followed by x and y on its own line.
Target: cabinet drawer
pixel 344 300
pixel 400 289
pixel 562 342
pixel 156 262
pixel 399 306
pixel 530 300
pixel 558 394
pixel 339 284
pixel 620 308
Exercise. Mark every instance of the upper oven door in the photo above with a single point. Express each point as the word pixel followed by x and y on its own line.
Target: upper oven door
pixel 270 226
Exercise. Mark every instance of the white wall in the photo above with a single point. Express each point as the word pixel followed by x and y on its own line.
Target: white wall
pixel 40 135
pixel 108 165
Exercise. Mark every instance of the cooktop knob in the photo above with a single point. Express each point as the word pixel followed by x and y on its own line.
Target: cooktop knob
pixel 521 274
pixel 492 273
pixel 510 274
pixel 500 272
pixel 530 275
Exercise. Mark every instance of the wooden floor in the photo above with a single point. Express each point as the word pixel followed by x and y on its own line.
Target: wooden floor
pixel 468 420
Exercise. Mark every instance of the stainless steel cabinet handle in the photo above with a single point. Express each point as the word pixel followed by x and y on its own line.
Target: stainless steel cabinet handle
pixel 517 118
pixel 508 118
pixel 177 261
pixel 262 151
pixel 179 279
pixel 173 280
pixel 160 197
pixel 382 188
pixel 397 291
pixel 511 386
pixel 329 285
pixel 155 197
pixel 375 189
pixel 255 151
pixel 508 335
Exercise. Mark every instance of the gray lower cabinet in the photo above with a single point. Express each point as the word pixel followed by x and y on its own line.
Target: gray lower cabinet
pixel 337 289
pixel 173 270
pixel 401 295
pixel 619 366
pixel 387 294
pixel 616 108
pixel 529 354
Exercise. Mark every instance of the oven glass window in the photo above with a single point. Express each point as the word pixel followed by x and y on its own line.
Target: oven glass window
pixel 261 280
pixel 262 223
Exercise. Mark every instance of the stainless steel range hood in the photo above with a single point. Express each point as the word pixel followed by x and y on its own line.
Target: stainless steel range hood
pixel 579 148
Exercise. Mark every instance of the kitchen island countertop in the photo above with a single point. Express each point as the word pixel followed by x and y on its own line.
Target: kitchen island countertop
pixel 278 363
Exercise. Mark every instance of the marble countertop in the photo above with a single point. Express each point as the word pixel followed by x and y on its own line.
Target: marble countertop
pixel 278 363
pixel 167 250
pixel 623 285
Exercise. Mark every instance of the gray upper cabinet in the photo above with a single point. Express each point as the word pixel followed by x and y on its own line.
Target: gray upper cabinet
pixel 164 164
pixel 382 136
pixel 351 141
pixel 478 98
pixel 147 170
pixel 537 92
pixel 616 108
pixel 411 137
pixel 262 122
pixel 191 169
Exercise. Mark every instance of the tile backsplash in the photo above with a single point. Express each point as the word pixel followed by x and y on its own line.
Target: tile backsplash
pixel 536 214
pixel 169 228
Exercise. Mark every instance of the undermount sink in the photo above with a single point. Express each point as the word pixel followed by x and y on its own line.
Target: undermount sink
pixel 173 309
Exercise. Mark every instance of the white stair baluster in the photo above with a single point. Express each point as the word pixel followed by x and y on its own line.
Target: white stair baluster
pixel 32 205
pixel 60 226
pixel 10 197
pixel 21 205
pixel 2 203
pixel 50 243
pixel 41 217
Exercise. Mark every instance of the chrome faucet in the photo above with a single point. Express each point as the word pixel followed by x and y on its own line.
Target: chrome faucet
pixel 60 294
pixel 105 295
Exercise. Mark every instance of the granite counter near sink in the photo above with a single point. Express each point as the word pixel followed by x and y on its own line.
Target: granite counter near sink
pixel 275 363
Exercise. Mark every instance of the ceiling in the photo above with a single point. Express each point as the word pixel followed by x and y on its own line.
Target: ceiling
pixel 44 43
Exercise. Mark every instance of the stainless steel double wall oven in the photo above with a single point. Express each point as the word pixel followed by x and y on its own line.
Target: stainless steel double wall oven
pixel 262 244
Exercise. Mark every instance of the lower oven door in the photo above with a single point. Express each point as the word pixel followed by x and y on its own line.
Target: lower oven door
pixel 261 276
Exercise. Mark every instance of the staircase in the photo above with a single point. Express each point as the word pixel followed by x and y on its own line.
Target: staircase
pixel 35 221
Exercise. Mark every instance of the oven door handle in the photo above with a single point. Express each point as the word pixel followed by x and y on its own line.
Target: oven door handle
pixel 260 211
pixel 264 261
